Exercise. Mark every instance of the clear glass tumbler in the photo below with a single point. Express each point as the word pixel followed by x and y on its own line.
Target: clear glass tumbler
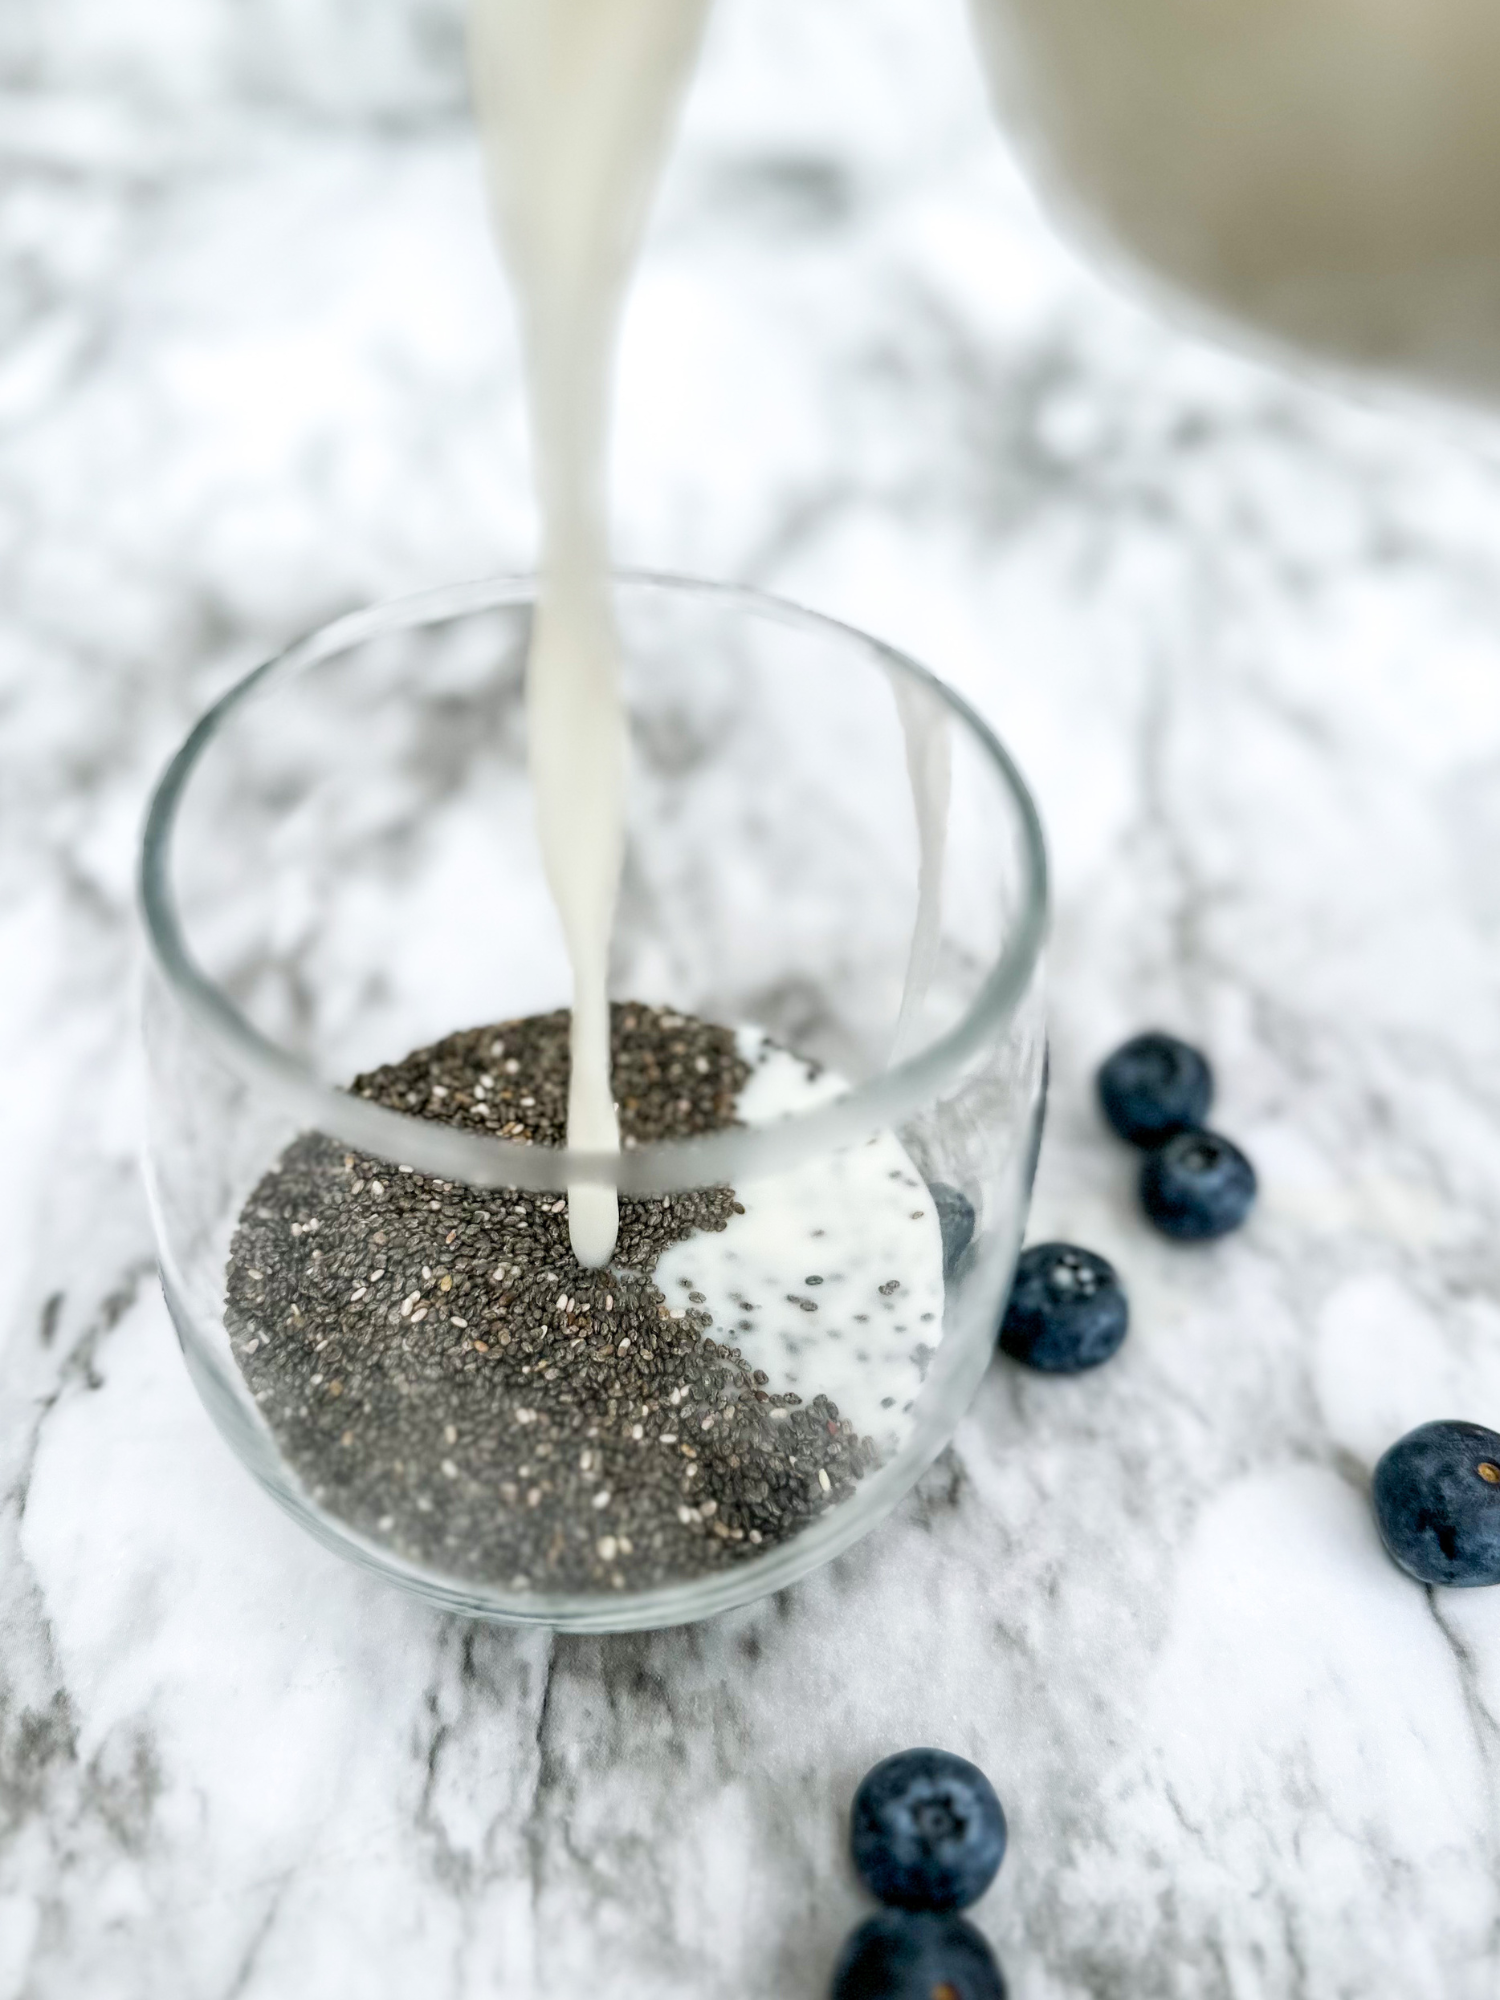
pixel 824 844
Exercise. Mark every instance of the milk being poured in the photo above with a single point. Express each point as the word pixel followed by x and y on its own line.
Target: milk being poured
pixel 576 100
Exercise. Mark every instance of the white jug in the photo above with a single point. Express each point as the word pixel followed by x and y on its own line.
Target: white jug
pixel 1325 172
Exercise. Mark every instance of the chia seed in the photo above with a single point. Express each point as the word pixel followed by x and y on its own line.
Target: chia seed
pixel 441 1374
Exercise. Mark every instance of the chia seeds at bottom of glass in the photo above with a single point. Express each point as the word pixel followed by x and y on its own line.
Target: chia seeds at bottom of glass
pixel 442 1375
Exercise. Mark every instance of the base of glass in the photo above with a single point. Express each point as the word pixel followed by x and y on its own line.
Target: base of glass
pixel 633 1611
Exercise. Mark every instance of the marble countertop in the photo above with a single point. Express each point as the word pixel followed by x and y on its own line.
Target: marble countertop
pixel 256 365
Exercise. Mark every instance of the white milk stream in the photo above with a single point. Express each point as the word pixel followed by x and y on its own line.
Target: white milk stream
pixel 576 100
pixel 831 1281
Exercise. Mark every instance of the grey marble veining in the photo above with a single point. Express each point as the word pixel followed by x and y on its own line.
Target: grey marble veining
pixel 256 365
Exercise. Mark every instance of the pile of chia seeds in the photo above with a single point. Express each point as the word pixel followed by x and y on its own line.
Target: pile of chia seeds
pixel 443 1375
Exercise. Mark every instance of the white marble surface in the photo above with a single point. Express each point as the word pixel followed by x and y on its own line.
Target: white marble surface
pixel 254 366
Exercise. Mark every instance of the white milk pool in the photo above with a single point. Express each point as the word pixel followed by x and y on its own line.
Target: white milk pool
pixel 831 1282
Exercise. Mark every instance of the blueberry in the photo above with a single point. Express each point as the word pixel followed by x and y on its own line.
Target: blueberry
pixel 1154 1086
pixel 926 1831
pixel 916 1955
pixel 1067 1309
pixel 955 1214
pixel 1437 1503
pixel 1199 1184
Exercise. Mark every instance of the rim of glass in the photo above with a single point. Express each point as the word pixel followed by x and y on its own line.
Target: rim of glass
pixel 476 1159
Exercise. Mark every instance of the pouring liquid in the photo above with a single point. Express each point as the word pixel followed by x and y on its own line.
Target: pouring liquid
pixel 576 100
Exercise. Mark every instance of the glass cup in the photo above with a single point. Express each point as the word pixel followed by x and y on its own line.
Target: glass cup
pixel 824 844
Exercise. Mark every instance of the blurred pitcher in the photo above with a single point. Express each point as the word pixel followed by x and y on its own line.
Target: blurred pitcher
pixel 1326 172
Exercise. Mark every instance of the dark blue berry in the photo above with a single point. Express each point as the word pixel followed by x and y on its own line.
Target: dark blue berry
pixel 927 1832
pixel 916 1955
pixel 1198 1185
pixel 1154 1086
pixel 1437 1503
pixel 1067 1309
pixel 955 1214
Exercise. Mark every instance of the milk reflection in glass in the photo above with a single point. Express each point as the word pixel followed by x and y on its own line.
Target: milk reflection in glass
pixel 576 101
pixel 1326 169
